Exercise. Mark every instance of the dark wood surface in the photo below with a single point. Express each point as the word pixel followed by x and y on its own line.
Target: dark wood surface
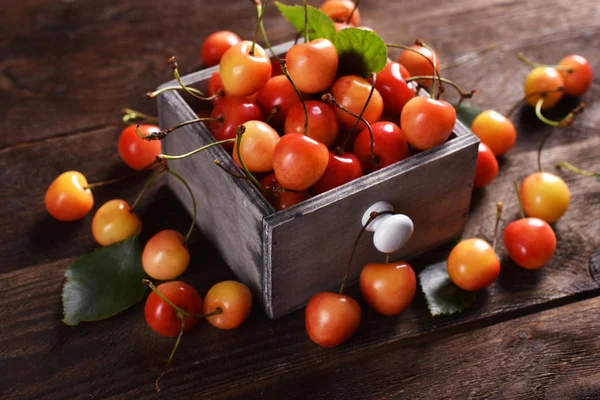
pixel 66 68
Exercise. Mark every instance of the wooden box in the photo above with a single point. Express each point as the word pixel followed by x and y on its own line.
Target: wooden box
pixel 286 257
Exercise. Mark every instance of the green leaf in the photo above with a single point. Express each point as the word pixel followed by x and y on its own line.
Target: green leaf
pixel 103 283
pixel 467 112
pixel 319 24
pixel 443 296
pixel 360 52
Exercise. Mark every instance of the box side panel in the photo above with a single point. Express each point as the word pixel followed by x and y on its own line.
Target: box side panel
pixel 310 251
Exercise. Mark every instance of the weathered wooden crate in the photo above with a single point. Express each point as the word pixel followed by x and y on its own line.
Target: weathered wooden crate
pixel 285 257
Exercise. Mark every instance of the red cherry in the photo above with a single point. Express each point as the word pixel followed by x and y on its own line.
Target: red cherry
pixel 530 242
pixel 579 79
pixel 278 92
pixel 136 152
pixel 389 146
pixel 473 264
pixel 427 122
pixel 281 198
pixel 393 88
pixel 215 85
pixel 322 122
pixel 243 73
pixel 312 66
pixel 299 161
pixel 234 111
pixel 233 299
pixel 352 92
pixel 341 169
pixel 163 318
pixel 331 318
pixel 417 65
pixel 68 198
pixel 486 168
pixel 388 288
pixel 216 45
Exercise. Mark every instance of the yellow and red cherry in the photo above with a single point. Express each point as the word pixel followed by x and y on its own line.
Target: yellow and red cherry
pixel 544 81
pixel 313 65
pixel 352 92
pixel 579 75
pixel 256 146
pixel 243 73
pixel 392 87
pixel 68 197
pixel 530 242
pixel 322 123
pixel 427 122
pixel 163 318
pixel 165 256
pixel 473 264
pixel 233 299
pixel 420 64
pixel 495 130
pixel 216 45
pixel 340 11
pixel 215 86
pixel 278 92
pixel 389 146
pixel 280 198
pixel 136 152
pixel 331 318
pixel 545 196
pixel 486 168
pixel 341 169
pixel 388 288
pixel 232 112
pixel 299 161
pixel 113 222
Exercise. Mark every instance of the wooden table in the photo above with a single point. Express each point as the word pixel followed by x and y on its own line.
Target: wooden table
pixel 66 69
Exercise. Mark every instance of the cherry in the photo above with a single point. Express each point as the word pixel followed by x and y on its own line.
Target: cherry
pixel 299 161
pixel 331 318
pixel 393 88
pixel 473 264
pixel 418 65
pixel 341 10
pixel 388 288
pixel 579 75
pixel 233 111
pixel 280 198
pixel 233 299
pixel 322 122
pixel 68 197
pixel 427 122
pixel 114 221
pixel 163 318
pixel 530 242
pixel 351 92
pixel 165 256
pixel 243 72
pixel 136 152
pixel 256 146
pixel 389 146
pixel 215 85
pixel 545 196
pixel 313 65
pixel 278 92
pixel 546 82
pixel 495 130
pixel 341 169
pixel 216 45
pixel 486 168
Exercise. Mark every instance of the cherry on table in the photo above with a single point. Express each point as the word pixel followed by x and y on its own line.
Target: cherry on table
pixel 313 66
pixel 352 92
pixel 544 81
pixel 341 169
pixel 233 299
pixel 578 77
pixel 486 168
pixel 68 197
pixel 299 161
pixel 473 264
pixel 165 256
pixel 216 45
pixel 256 146
pixel 114 221
pixel 427 122
pixel 530 242
pixel 389 146
pixel 243 72
pixel 331 318
pixel 136 152
pixel 495 130
pixel 322 123
pixel 388 288
pixel 545 196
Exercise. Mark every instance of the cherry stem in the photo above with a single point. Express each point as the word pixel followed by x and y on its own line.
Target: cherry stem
pixel 360 116
pixel 387 258
pixel 258 25
pixel 148 283
pixel 404 47
pixel 170 360
pixel 218 164
pixel 259 9
pixel 499 207
pixel 534 64
pixel 516 186
pixel 514 107
pixel 199 95
pixel 193 93
pixel 189 189
pixel 372 217
pixel 563 122
pixel 470 57
pixel 356 3
pixel 274 111
pixel 539 152
pixel 239 132
pixel 160 135
pixel 129 116
pixel 435 71
pixel 191 153
pixel 122 178
pixel 154 175
pixel 579 171
pixel 462 93
pixel 305 21
pixel 285 71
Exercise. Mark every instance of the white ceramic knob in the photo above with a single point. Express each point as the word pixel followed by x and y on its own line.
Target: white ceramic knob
pixel 380 206
pixel 392 231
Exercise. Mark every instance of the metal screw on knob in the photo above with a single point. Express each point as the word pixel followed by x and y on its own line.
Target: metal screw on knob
pixel 392 231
